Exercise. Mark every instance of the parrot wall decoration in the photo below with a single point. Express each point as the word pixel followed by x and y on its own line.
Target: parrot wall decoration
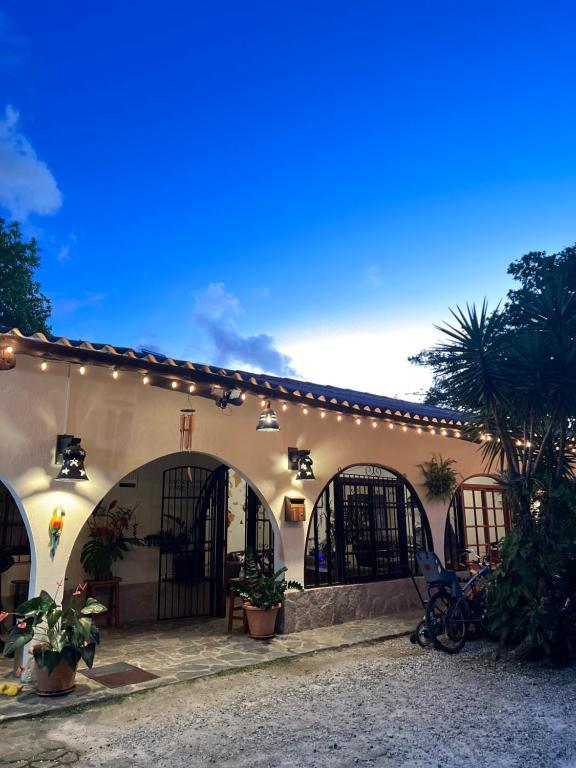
pixel 55 529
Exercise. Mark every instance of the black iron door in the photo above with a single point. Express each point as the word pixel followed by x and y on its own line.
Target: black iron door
pixel 259 536
pixel 192 542
pixel 371 522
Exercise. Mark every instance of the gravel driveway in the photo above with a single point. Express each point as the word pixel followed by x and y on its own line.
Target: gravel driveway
pixel 387 704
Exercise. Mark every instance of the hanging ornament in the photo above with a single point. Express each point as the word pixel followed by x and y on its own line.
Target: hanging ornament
pixel 186 428
pixel 55 529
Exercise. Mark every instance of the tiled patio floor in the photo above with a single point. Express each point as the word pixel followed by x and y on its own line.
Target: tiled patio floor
pixel 184 650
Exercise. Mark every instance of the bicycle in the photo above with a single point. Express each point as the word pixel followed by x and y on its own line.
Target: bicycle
pixel 452 608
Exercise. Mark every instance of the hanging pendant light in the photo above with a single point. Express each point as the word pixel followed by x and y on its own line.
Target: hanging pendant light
pixel 268 421
pixel 73 462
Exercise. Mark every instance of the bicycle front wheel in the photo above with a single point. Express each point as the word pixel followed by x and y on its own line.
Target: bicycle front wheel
pixel 446 622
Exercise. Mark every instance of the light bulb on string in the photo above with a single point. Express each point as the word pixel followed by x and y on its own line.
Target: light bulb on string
pixel 44 366
pixel 115 375
pixel 82 370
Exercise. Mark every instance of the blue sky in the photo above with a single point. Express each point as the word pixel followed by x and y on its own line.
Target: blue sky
pixel 204 176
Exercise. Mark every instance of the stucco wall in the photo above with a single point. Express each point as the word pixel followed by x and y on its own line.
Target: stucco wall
pixel 124 424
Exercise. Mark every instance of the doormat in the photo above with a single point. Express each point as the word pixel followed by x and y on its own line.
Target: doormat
pixel 119 674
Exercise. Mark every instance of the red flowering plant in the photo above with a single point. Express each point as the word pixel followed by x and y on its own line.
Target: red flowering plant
pixel 62 633
pixel 112 531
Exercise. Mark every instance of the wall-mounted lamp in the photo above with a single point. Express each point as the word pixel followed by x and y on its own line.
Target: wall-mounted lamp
pixel 302 461
pixel 268 421
pixel 7 358
pixel 230 397
pixel 71 455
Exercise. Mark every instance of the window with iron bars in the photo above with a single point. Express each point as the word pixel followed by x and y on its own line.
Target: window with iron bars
pixel 367 525
pixel 13 536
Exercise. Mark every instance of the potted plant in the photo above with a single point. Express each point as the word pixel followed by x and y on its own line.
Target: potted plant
pixel 440 479
pixel 109 539
pixel 63 635
pixel 263 596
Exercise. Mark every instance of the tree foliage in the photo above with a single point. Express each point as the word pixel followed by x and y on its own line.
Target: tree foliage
pixel 513 372
pixel 22 304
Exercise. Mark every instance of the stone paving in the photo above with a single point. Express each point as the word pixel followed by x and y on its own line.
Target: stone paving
pixel 185 650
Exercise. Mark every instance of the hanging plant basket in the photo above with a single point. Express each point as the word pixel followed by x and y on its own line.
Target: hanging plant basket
pixel 440 479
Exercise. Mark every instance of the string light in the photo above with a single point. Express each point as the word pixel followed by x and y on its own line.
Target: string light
pixel 44 366
pixel 339 417
pixel 243 396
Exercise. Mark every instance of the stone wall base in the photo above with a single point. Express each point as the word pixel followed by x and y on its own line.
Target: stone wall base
pixel 323 606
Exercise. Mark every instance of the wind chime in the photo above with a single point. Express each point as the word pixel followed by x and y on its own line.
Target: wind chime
pixel 186 428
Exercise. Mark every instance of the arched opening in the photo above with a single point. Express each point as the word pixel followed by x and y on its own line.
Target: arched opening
pixel 15 557
pixel 190 519
pixel 367 525
pixel 478 516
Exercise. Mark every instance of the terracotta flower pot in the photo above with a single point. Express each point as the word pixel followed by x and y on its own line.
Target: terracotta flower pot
pixel 261 621
pixel 62 680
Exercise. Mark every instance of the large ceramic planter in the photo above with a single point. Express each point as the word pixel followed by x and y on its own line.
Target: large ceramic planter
pixel 261 621
pixel 60 681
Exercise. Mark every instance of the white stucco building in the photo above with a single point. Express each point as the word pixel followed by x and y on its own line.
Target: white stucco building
pixel 366 510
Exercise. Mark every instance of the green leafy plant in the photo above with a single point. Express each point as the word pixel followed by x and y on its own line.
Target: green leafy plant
pixel 68 634
pixel 109 539
pixel 439 478
pixel 263 591
pixel 512 371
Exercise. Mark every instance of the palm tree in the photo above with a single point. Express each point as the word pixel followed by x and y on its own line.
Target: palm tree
pixel 513 371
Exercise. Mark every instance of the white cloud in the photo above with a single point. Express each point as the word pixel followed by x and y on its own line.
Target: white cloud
pixel 364 359
pixel 216 312
pixel 373 275
pixel 65 307
pixel 64 254
pixel 26 183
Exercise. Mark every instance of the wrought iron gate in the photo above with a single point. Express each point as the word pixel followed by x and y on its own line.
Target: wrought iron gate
pixel 192 542
pixel 259 536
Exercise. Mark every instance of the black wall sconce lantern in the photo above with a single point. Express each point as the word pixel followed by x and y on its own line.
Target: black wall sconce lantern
pixel 71 455
pixel 268 421
pixel 7 358
pixel 302 461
